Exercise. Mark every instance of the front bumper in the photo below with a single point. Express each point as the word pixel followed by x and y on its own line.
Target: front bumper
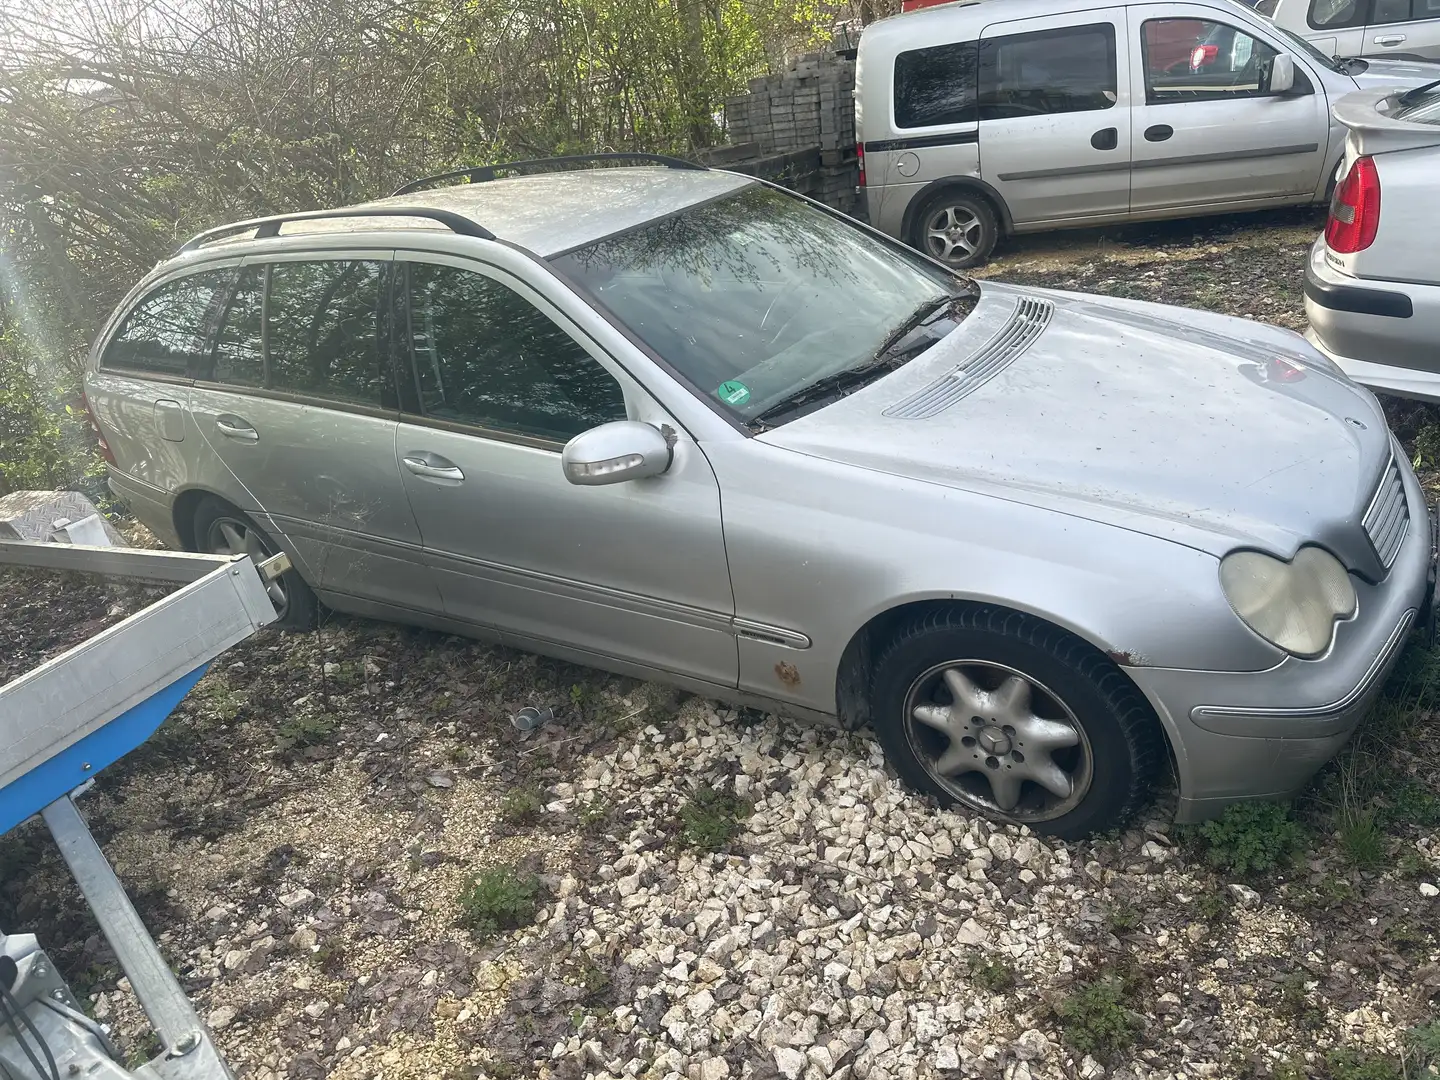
pixel 1264 734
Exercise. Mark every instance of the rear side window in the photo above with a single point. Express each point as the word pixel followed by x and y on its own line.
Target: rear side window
pixel 1050 71
pixel 1337 14
pixel 238 357
pixel 167 333
pixel 1393 11
pixel 323 330
pixel 485 355
pixel 937 85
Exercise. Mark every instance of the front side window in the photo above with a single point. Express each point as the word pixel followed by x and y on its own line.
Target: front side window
pixel 323 330
pixel 760 300
pixel 937 85
pixel 1049 71
pixel 167 332
pixel 1336 14
pixel 238 357
pixel 485 355
pixel 1222 62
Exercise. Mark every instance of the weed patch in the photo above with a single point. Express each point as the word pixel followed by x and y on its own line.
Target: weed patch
pixel 522 806
pixel 995 976
pixel 1360 1065
pixel 1097 1020
pixel 710 819
pixel 497 900
pixel 1252 838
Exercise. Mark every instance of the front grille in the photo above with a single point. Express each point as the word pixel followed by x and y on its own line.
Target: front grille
pixel 1027 322
pixel 1388 518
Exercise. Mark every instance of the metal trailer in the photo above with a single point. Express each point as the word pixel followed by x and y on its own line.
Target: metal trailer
pixel 63 722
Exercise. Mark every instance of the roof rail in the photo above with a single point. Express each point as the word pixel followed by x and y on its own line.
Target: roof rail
pixel 480 173
pixel 267 227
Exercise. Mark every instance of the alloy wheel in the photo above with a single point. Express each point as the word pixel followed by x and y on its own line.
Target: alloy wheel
pixel 231 536
pixel 953 233
pixel 998 740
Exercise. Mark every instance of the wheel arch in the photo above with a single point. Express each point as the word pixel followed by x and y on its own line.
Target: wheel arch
pixel 188 501
pixel 958 183
pixel 852 675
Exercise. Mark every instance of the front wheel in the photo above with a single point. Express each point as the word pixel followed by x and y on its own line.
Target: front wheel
pixel 1016 719
pixel 958 228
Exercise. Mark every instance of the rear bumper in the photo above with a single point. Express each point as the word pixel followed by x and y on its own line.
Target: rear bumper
pixel 1264 734
pixel 1380 333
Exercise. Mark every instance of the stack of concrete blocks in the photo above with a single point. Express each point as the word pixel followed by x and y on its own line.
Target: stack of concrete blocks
pixel 805 113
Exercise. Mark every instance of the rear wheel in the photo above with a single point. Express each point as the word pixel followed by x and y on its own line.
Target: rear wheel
pixel 1016 719
pixel 957 227
pixel 220 529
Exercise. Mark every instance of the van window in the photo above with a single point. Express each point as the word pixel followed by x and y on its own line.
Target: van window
pixel 167 332
pixel 1221 62
pixel 936 85
pixel 1337 14
pixel 1393 11
pixel 1049 71
pixel 238 357
pixel 323 333
pixel 485 355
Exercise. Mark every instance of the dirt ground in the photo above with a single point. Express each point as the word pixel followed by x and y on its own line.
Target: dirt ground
pixel 677 889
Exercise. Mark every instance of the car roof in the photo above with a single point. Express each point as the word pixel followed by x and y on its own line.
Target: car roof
pixel 547 213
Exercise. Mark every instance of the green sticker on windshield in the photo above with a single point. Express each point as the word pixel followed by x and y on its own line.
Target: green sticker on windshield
pixel 733 393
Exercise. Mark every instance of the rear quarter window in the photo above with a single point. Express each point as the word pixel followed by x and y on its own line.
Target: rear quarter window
pixel 1048 71
pixel 170 330
pixel 937 85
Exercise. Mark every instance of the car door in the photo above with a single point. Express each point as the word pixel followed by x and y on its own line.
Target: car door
pixel 1206 131
pixel 141 388
pixel 1054 137
pixel 1403 29
pixel 298 403
pixel 634 571
pixel 1335 27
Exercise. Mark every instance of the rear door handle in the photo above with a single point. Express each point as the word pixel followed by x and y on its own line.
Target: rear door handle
pixel 232 427
pixel 1105 139
pixel 433 467
pixel 1390 39
pixel 1158 133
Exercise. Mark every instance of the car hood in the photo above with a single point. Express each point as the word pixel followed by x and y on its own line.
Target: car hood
pixel 1205 430
pixel 1399 74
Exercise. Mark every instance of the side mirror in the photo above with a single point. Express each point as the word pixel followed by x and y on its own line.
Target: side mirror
pixel 613 453
pixel 1282 74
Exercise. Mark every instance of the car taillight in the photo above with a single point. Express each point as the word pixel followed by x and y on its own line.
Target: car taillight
pixel 1203 54
pixel 860 159
pixel 100 443
pixel 1355 209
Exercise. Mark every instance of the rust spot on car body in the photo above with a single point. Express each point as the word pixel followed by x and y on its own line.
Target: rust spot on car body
pixel 787 673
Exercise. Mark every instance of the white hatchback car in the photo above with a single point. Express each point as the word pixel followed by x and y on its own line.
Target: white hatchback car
pixel 1372 287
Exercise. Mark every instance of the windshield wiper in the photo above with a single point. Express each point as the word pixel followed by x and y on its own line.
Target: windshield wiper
pixel 883 360
pixel 1416 93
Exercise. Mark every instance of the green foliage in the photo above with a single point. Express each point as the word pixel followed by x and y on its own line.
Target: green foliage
pixel 44 440
pixel 1252 837
pixel 1122 918
pixel 500 899
pixel 521 805
pixel 710 818
pixel 1097 1019
pixel 994 975
pixel 1212 906
pixel 304 730
pixel 1361 1065
pixel 1413 803
pixel 1362 841
pixel 1422 1049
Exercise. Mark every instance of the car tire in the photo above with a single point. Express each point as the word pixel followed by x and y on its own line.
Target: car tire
pixel 968 221
pixel 1049 732
pixel 221 529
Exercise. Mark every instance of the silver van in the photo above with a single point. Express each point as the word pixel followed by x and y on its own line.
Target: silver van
pixel 1389 29
pixel 979 119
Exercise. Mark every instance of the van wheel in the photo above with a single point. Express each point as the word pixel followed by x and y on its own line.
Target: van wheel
pixel 220 529
pixel 957 227
pixel 1015 719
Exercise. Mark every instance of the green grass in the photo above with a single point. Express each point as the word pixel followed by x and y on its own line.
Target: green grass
pixel 710 819
pixel 500 899
pixel 304 731
pixel 522 805
pixel 1361 1065
pixel 1362 841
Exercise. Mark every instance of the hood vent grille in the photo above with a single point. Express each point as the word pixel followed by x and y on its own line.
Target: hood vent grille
pixel 1027 322
pixel 1388 518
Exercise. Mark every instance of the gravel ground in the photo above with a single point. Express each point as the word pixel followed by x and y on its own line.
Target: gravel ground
pixel 668 888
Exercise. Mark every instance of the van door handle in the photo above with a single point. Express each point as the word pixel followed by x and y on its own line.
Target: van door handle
pixel 1390 39
pixel 232 427
pixel 1158 133
pixel 433 467
pixel 1105 139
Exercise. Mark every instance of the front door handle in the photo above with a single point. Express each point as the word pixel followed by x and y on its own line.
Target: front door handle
pixel 233 427
pixel 1105 139
pixel 1390 39
pixel 1158 133
pixel 433 467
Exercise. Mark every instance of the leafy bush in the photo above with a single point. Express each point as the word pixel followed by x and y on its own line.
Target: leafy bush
pixel 44 442
pixel 499 899
pixel 1096 1019
pixel 1252 837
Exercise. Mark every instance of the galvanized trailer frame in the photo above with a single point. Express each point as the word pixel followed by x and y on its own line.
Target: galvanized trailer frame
pixel 60 724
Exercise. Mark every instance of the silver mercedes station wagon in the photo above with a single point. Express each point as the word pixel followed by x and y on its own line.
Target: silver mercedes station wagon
pixel 677 423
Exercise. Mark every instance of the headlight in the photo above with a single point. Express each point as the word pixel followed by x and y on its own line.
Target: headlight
pixel 1292 605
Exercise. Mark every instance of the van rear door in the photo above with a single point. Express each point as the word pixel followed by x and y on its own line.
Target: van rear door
pixel 1054 116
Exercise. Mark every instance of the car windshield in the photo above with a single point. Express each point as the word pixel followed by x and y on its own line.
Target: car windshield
pixel 761 300
pixel 1425 110
pixel 1299 44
